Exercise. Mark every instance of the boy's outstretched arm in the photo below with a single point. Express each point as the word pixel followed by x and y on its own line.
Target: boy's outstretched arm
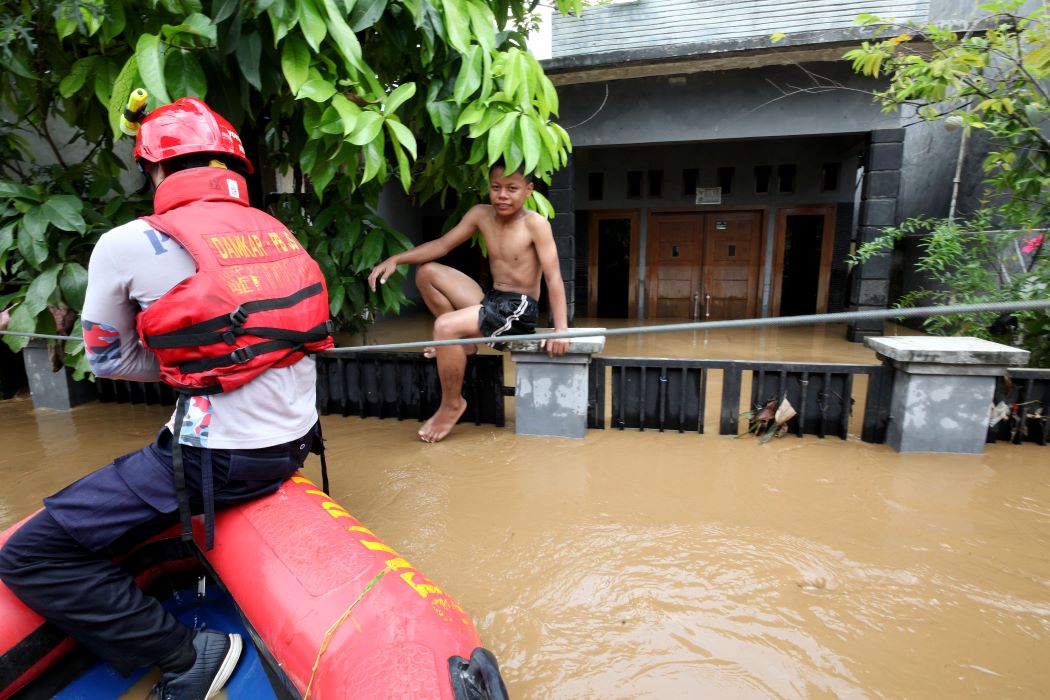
pixel 431 250
pixel 547 251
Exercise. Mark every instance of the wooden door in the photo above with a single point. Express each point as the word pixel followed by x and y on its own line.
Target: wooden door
pixel 674 265
pixel 732 260
pixel 612 267
pixel 805 242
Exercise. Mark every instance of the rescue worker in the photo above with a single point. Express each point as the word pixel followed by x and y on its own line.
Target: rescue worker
pixel 219 300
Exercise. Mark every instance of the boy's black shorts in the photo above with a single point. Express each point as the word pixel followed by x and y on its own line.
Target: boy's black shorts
pixel 507 313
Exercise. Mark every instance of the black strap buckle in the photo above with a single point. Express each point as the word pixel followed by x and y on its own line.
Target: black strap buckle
pixel 242 355
pixel 230 337
pixel 329 326
pixel 238 317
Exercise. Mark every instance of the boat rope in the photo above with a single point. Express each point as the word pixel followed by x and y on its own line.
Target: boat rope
pixel 335 627
pixel 1001 307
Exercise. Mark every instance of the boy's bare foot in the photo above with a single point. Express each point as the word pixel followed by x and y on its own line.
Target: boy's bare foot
pixel 441 423
pixel 430 351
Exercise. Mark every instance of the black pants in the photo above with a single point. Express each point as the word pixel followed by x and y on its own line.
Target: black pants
pixel 60 561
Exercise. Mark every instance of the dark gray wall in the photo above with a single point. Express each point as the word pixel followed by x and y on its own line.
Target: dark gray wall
pixel 808 154
pixel 719 105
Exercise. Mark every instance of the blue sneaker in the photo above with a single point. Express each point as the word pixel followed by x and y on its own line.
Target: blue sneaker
pixel 217 655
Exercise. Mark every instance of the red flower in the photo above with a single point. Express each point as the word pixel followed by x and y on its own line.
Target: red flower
pixel 1032 244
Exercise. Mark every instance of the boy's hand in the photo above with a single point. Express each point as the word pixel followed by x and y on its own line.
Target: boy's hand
pixel 555 347
pixel 382 271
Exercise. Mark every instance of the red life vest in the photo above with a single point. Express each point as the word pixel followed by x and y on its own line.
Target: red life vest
pixel 258 300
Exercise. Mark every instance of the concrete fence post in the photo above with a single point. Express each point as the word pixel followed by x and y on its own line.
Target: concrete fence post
pixel 942 390
pixel 550 393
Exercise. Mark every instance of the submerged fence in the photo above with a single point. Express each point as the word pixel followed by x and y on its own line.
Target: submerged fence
pixel 404 386
pixel 665 395
pixel 670 394
pixel 1025 393
pixel 644 394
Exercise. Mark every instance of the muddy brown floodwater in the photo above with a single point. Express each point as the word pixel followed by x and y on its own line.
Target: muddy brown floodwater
pixel 649 565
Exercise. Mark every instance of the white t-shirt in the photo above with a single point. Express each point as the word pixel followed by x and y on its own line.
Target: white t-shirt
pixel 131 267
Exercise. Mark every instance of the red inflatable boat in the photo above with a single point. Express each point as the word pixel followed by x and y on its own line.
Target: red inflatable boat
pixel 334 612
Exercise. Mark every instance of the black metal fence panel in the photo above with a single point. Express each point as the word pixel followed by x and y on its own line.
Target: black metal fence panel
pixel 659 398
pixel 404 386
pixel 1026 396
pixel 669 394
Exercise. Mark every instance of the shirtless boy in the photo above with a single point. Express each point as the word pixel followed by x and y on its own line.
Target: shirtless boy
pixel 520 248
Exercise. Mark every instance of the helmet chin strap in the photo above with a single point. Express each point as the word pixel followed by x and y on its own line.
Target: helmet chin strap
pixel 147 186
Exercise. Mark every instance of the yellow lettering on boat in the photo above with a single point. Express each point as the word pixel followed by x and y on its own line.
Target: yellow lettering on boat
pixel 424 588
pixel 361 528
pixel 335 510
pixel 376 546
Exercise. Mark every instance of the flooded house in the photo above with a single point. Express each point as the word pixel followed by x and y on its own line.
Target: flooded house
pixel 722 172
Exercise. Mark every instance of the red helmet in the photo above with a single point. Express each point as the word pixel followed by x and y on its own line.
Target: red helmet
pixel 186 126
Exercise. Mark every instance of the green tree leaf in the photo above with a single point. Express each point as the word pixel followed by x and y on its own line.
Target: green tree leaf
pixel 313 24
pixel 249 51
pixel 469 78
pixel 195 30
pixel 40 290
pixel 316 90
pixel 17 189
pixel 225 10
pixel 150 54
pixel 530 143
pixel 21 322
pixel 366 13
pixel 368 127
pixel 184 75
pixel 107 73
pixel 457 24
pixel 73 283
pixel 31 242
pixel 401 134
pixel 374 161
pixel 7 237
pixel 499 136
pixel 483 24
pixel 295 62
pixel 344 37
pixel 63 211
pixel 348 112
pixel 398 97
pixel 77 76
pixel 404 169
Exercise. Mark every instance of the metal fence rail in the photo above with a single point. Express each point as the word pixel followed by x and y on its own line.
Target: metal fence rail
pixel 406 386
pixel 1027 393
pixel 670 394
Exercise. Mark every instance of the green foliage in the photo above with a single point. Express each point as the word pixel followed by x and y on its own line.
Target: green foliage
pixel 991 77
pixel 970 262
pixel 343 96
